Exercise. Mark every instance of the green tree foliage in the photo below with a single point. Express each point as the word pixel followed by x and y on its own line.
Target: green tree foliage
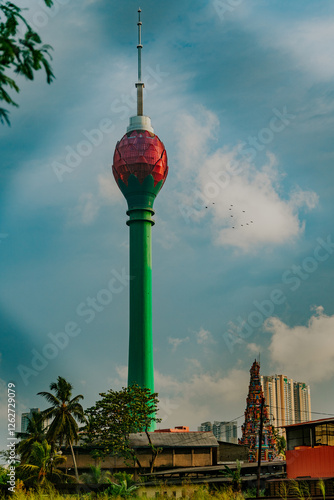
pixel 64 412
pixel 280 442
pixel 116 416
pixel 42 466
pixel 35 433
pixel 3 475
pixel 96 475
pixel 21 52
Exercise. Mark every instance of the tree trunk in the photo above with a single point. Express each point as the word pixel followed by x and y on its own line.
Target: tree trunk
pixel 74 463
pixel 154 451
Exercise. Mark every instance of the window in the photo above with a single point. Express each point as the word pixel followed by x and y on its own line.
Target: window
pixel 324 434
pixel 298 436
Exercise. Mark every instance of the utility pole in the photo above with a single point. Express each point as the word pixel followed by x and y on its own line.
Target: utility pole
pixel 260 450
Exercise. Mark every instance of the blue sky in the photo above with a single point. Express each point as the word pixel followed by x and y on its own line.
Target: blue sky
pixel 241 93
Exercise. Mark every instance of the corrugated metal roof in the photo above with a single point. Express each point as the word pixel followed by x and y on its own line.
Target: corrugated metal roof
pixel 174 439
pixel 312 422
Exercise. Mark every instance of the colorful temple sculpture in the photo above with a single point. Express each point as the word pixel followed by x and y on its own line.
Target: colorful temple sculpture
pixel 251 427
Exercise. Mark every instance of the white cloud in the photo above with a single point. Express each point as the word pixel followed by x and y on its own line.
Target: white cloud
pixel 201 397
pixel 310 43
pixel 306 353
pixel 204 337
pixel 167 237
pixel 175 342
pixel 108 189
pixel 85 212
pixel 254 348
pixel 193 134
pixel 244 205
pixel 121 378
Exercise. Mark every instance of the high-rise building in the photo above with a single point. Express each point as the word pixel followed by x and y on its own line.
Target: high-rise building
pixel 140 170
pixel 223 431
pixel 26 417
pixel 256 411
pixel 205 427
pixel 226 431
pixel 289 401
pixel 302 396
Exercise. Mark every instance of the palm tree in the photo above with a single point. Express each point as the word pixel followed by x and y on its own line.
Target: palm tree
pixel 42 465
pixel 64 410
pixel 36 432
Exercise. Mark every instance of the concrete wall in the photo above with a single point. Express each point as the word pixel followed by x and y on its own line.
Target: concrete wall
pixel 168 458
pixel 229 452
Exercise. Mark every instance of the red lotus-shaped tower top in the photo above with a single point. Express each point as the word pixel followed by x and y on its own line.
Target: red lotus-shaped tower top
pixel 140 153
pixel 140 159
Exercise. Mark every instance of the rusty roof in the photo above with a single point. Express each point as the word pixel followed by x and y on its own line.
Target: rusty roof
pixel 312 422
pixel 174 439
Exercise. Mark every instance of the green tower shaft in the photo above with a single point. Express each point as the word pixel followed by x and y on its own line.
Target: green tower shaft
pixel 140 342
pixel 140 197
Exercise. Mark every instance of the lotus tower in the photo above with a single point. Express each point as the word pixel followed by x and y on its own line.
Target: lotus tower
pixel 140 170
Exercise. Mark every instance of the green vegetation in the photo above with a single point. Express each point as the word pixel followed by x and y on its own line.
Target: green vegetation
pixel 196 493
pixel 299 490
pixel 118 414
pixel 235 475
pixel 3 475
pixel 21 51
pixel 64 411
pixel 280 443
pixel 95 476
pixel 42 466
pixel 108 425
pixel 124 488
pixel 322 487
pixel 35 433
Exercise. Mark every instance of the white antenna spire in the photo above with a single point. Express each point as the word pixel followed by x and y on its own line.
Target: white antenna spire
pixel 140 122
pixel 139 85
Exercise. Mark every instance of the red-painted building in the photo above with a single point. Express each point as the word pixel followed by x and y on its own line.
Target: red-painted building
pixel 310 449
pixel 180 428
